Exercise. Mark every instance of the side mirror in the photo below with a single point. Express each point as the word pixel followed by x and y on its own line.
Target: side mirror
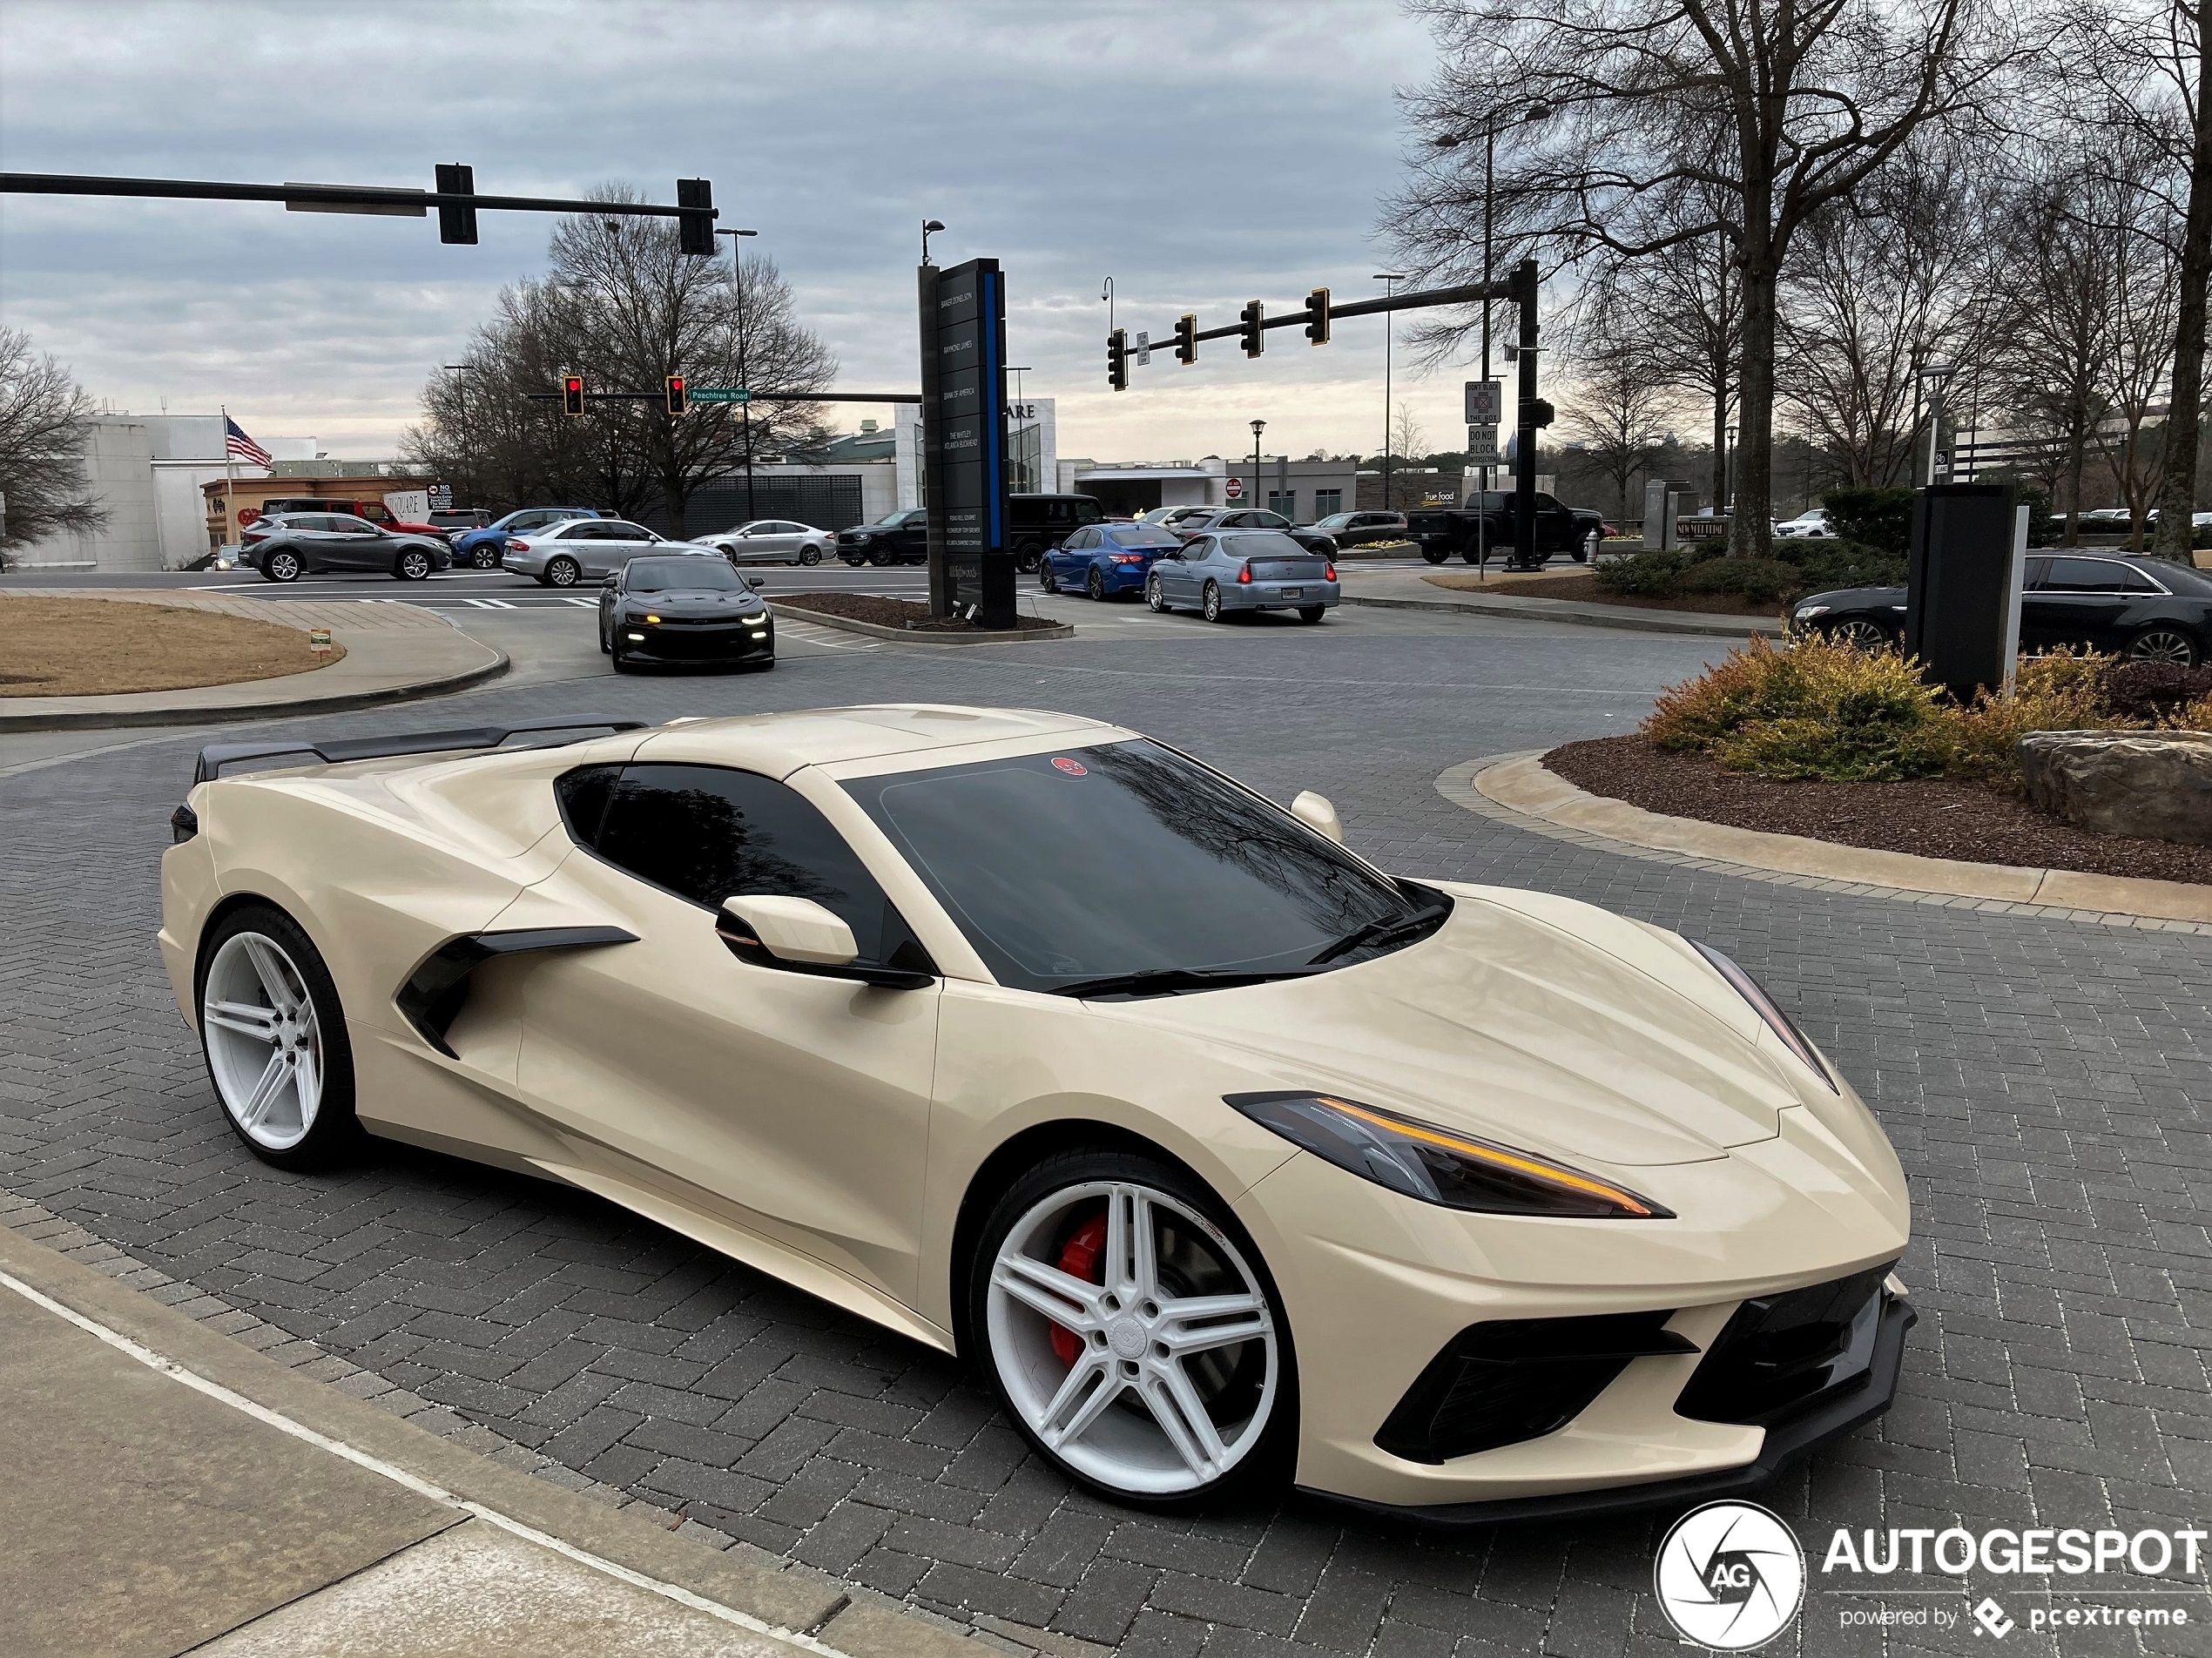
pixel 796 930
pixel 609 581
pixel 756 583
pixel 1316 813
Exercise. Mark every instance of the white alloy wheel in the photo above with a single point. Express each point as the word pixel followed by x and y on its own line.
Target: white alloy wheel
pixel 284 567
pixel 562 572
pixel 264 1042
pixel 1176 1362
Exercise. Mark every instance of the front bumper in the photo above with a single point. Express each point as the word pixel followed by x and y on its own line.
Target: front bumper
pixel 678 645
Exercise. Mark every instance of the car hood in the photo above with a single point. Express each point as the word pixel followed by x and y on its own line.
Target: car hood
pixel 705 601
pixel 1540 1022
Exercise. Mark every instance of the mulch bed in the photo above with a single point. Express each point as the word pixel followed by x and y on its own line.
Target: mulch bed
pixel 1584 586
pixel 1932 817
pixel 892 613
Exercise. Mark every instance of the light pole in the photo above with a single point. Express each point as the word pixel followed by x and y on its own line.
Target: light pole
pixel 460 390
pixel 1258 428
pixel 1106 293
pixel 1936 374
pixel 1390 280
pixel 1727 476
pixel 744 409
pixel 928 228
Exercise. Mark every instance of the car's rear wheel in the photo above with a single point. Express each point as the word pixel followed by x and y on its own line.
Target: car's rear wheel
pixel 1133 1331
pixel 1311 612
pixel 2166 646
pixel 1210 602
pixel 1046 579
pixel 1156 599
pixel 562 572
pixel 281 567
pixel 413 565
pixel 1094 587
pixel 810 555
pixel 1859 634
pixel 274 1036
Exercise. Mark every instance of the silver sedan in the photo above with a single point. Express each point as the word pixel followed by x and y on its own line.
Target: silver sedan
pixel 586 550
pixel 773 540
pixel 1253 570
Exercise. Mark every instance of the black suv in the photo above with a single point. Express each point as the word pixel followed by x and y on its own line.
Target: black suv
pixel 896 538
pixel 1033 522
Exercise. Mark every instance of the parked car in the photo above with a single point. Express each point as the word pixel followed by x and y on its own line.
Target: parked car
pixel 2145 609
pixel 1187 521
pixel 2106 520
pixel 285 547
pixel 587 548
pixel 1811 526
pixel 672 609
pixel 1484 526
pixel 1036 522
pixel 772 540
pixel 1105 560
pixel 374 512
pixel 901 537
pixel 484 549
pixel 1242 569
pixel 452 521
pixel 1362 528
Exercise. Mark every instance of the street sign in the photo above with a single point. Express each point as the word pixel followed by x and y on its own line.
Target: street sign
pixel 1482 447
pixel 1234 489
pixel 1485 402
pixel 1144 348
pixel 720 394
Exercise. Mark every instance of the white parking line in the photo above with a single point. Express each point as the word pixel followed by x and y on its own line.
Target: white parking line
pixel 586 604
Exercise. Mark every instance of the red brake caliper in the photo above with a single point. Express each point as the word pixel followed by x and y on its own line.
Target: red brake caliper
pixel 1080 1258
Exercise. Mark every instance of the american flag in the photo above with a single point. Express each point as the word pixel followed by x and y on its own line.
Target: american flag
pixel 236 442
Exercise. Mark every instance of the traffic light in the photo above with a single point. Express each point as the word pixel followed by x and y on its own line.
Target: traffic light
pixel 697 230
pixel 1250 319
pixel 572 394
pixel 1537 412
pixel 1186 340
pixel 1317 317
pixel 456 221
pixel 1117 364
pixel 679 399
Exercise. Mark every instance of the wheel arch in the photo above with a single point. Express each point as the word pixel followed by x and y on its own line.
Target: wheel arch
pixel 220 912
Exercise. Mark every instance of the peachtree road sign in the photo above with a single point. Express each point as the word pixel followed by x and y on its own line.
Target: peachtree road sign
pixel 720 394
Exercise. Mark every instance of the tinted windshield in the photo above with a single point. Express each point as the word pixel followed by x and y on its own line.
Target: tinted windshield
pixel 1141 535
pixel 1263 543
pixel 691 573
pixel 1334 521
pixel 893 519
pixel 1181 869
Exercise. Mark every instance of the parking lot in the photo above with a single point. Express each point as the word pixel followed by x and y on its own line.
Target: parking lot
pixel 2045 1083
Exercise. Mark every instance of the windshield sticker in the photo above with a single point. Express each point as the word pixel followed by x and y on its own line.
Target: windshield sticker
pixel 1073 768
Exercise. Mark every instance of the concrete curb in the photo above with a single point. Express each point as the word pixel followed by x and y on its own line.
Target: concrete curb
pixel 1583 615
pixel 275 708
pixel 1516 788
pixel 1058 630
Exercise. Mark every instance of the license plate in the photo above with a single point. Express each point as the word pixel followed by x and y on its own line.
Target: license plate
pixel 1294 592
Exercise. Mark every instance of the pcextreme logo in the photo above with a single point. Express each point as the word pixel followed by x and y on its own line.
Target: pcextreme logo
pixel 1730 1576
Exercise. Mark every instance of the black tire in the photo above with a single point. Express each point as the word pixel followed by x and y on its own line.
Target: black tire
pixel 1156 599
pixel 1311 612
pixel 1858 633
pixel 810 555
pixel 878 559
pixel 1094 586
pixel 413 565
pixel 1434 556
pixel 563 571
pixel 1027 556
pixel 336 1133
pixel 1210 602
pixel 484 558
pixel 1046 579
pixel 1470 555
pixel 623 663
pixel 281 567
pixel 1264 1468
pixel 2165 643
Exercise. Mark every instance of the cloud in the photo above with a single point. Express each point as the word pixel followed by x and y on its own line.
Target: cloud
pixel 1201 155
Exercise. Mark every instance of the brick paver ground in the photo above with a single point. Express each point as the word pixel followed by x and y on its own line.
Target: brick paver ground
pixel 2046 1082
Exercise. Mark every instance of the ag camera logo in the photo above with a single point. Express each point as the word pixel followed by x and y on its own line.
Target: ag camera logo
pixel 1730 1576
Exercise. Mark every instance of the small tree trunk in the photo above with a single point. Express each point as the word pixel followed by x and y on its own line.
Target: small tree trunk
pixel 2184 418
pixel 677 498
pixel 1750 533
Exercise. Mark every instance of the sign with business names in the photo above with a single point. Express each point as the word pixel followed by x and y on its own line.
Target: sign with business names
pixel 964 416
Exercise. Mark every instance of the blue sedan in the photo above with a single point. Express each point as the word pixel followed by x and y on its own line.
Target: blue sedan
pixel 1102 560
pixel 1227 570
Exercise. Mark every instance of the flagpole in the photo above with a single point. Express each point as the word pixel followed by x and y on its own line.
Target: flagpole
pixel 230 481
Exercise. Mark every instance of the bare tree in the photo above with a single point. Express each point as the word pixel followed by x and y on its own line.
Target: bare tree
pixel 1620 418
pixel 42 411
pixel 1677 120
pixel 624 307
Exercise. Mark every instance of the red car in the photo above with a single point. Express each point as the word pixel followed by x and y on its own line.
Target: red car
pixel 375 511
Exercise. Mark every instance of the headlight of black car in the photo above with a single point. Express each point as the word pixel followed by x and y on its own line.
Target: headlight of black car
pixel 1440 1165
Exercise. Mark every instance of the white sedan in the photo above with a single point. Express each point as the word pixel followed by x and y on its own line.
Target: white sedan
pixel 773 541
pixel 1230 1158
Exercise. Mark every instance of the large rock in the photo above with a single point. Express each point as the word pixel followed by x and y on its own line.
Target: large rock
pixel 2152 783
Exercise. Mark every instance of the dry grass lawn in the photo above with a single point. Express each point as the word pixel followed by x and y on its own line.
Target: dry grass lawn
pixel 99 647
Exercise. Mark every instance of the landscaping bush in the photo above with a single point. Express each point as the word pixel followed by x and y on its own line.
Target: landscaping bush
pixel 1815 710
pixel 1762 579
pixel 1655 574
pixel 1881 519
pixel 2152 691
pixel 2059 692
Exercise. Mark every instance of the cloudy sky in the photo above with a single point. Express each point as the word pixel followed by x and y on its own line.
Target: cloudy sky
pixel 1201 155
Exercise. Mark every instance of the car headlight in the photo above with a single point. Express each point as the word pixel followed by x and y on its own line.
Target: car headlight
pixel 1761 1004
pixel 1806 612
pixel 1439 1165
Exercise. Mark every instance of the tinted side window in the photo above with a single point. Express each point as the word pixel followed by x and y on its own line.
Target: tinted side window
pixel 583 795
pixel 1090 512
pixel 706 831
pixel 2093 575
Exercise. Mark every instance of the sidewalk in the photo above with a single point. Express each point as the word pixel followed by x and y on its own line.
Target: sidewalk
pixel 394 652
pixel 1407 589
pixel 172 1490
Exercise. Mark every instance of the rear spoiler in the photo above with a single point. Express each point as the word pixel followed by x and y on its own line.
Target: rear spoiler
pixel 335 752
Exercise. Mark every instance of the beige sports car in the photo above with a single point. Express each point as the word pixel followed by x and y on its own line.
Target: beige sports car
pixel 1229 1158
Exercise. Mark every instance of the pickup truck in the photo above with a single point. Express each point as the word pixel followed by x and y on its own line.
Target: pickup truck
pixel 1488 518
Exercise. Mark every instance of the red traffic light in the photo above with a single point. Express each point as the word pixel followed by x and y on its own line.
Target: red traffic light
pixel 679 399
pixel 572 394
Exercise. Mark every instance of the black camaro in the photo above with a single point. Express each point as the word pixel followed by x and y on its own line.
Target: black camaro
pixel 685 608
pixel 2145 609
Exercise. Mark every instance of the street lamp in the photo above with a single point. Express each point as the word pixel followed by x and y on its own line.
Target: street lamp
pixel 1539 111
pixel 929 225
pixel 744 409
pixel 461 391
pixel 1106 294
pixel 1258 428
pixel 1937 372
pixel 1392 278
pixel 1728 474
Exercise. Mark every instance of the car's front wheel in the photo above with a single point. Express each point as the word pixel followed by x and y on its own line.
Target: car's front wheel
pixel 2168 646
pixel 1859 634
pixel 1435 555
pixel 484 558
pixel 562 572
pixel 1133 1331
pixel 1210 602
pixel 274 1036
